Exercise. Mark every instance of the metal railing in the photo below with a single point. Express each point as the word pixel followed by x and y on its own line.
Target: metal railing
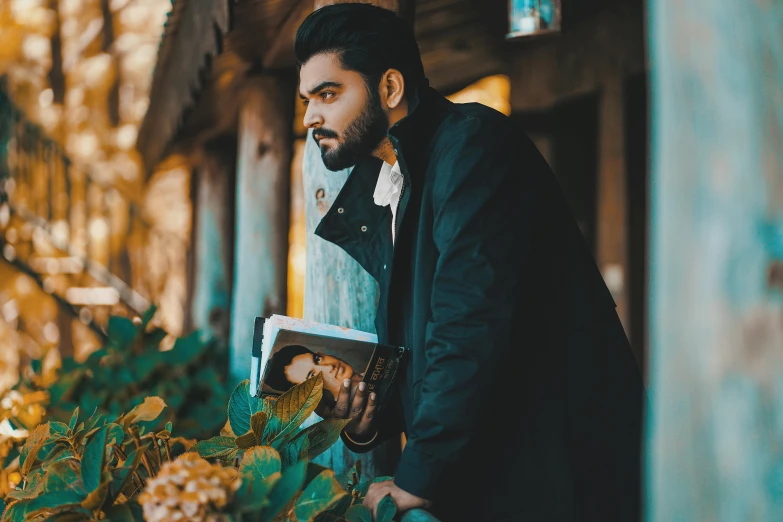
pixel 418 515
pixel 82 239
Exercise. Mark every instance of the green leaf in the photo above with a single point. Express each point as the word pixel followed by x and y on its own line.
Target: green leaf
pixel 215 447
pixel 321 493
pixel 313 470
pixel 248 440
pixel 145 364
pixel 120 513
pixel 74 419
pixel 63 491
pixel 121 332
pixel 62 389
pixel 154 337
pixel 34 488
pixel 64 476
pixel 260 462
pixel 58 428
pixel 258 424
pixel 265 404
pixel 60 454
pixel 32 446
pixel 386 510
pixel 358 513
pixel 239 408
pixel 94 422
pixel 147 316
pixel 16 512
pixel 92 461
pixel 294 406
pixel 294 451
pixel 285 490
pixel 322 435
pixel 186 350
pixel 169 427
pixel 114 434
pixel 97 497
pixel 50 505
pixel 58 432
pixel 252 495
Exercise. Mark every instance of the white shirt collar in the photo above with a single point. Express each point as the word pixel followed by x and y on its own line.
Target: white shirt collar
pixel 389 185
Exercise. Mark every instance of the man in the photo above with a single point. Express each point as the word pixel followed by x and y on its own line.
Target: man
pixel 294 364
pixel 520 398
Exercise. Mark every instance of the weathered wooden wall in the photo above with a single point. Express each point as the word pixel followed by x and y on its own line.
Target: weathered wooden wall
pixel 262 199
pixel 212 237
pixel 716 423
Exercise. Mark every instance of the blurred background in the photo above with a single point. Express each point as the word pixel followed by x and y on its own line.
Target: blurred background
pixel 152 152
pixel 122 146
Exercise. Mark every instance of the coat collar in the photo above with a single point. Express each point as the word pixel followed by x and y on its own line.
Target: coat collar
pixel 354 221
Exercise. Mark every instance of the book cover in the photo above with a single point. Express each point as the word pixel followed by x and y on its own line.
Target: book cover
pixel 287 351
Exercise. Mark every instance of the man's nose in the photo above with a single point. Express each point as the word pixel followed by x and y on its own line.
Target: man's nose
pixel 312 118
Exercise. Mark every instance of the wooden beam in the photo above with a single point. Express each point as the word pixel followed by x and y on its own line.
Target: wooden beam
pixel 262 212
pixel 281 51
pixel 717 226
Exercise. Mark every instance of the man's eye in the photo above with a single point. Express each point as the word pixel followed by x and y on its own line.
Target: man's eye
pixel 326 95
pixel 305 102
pixel 317 359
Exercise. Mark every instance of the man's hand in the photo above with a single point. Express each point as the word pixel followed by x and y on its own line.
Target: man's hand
pixel 403 499
pixel 353 403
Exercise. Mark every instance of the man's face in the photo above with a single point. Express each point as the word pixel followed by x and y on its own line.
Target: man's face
pixel 333 370
pixel 348 122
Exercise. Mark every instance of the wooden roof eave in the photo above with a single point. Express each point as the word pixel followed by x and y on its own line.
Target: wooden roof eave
pixel 193 36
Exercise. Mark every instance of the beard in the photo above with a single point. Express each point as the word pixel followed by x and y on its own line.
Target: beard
pixel 360 139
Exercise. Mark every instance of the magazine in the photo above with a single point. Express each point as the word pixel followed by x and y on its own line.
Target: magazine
pixel 287 351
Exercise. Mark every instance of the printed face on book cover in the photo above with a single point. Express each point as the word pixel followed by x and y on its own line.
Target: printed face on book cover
pixel 294 364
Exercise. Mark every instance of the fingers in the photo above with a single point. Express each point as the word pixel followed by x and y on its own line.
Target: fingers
pixel 325 408
pixel 343 397
pixel 357 405
pixel 375 494
pixel 366 422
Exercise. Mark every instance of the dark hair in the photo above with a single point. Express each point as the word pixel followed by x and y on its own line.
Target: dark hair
pixel 368 39
pixel 275 377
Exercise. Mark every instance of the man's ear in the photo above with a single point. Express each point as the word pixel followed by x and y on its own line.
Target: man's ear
pixel 393 88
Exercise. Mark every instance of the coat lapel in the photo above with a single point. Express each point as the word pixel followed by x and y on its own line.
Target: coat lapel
pixel 354 222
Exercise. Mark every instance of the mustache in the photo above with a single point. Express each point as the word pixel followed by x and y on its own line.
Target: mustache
pixel 320 133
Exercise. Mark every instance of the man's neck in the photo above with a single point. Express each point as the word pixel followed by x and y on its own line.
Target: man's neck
pixel 385 151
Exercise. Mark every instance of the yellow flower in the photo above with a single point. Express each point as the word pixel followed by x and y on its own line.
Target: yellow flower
pixel 189 489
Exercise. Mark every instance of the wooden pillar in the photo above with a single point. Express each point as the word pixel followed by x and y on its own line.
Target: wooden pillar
pixel 612 228
pixel 716 421
pixel 212 240
pixel 262 203
pixel 338 290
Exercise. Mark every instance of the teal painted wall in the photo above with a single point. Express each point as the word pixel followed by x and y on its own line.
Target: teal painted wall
pixel 715 428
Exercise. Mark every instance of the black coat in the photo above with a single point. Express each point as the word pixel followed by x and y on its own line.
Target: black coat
pixel 521 399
